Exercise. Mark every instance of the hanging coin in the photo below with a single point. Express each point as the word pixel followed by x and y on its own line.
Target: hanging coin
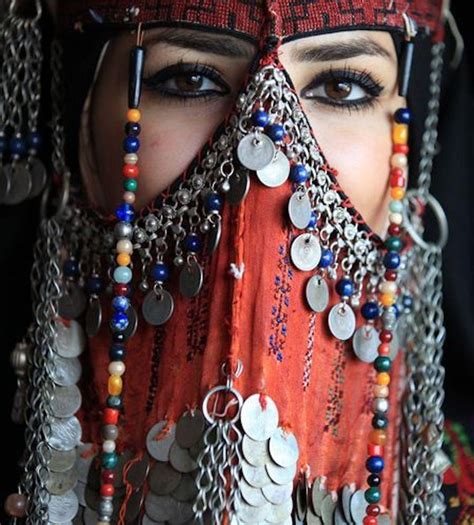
pixel 299 210
pixel 180 459
pixel 305 252
pixel 342 321
pixel 239 183
pixel 4 183
pixel 93 317
pixel 157 309
pixel 65 434
pixel 187 489
pixel 280 513
pixel 70 340
pixel 278 494
pixel 66 372
pixel 62 460
pixel 252 495
pixel 339 518
pixel 137 473
pixel 20 183
pixel 38 177
pixel 66 401
pixel 255 452
pixel 256 476
pixel 257 421
pixel 73 302
pixel 318 493
pixel 283 448
pixel 302 499
pixel 276 173
pixel 58 483
pixel 358 504
pixel 62 509
pixel 255 151
pixel 163 478
pixel 281 475
pixel 190 428
pixel 317 293
pixel 160 448
pixel 346 499
pixel 190 279
pixel 365 343
pixel 328 507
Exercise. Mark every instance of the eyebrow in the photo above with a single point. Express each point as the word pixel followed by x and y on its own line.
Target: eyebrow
pixel 340 51
pixel 218 45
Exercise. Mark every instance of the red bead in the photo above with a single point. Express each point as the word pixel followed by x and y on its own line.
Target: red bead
pixel 397 181
pixel 121 289
pixel 384 349
pixel 111 416
pixel 401 148
pixel 15 505
pixel 374 450
pixel 130 171
pixel 394 229
pixel 373 509
pixel 390 275
pixel 107 490
pixel 370 520
pixel 108 476
pixel 386 336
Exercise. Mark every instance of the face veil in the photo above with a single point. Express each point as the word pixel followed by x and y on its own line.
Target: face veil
pixel 252 282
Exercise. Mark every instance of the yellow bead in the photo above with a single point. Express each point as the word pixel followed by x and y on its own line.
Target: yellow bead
pixel 397 193
pixel 123 259
pixel 400 134
pixel 115 385
pixel 133 115
pixel 378 436
pixel 383 378
pixel 387 299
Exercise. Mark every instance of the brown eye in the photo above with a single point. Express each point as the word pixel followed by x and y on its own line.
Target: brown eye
pixel 337 89
pixel 189 82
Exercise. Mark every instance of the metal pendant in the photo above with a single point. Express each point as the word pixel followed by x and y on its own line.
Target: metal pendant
pixel 62 509
pixel 259 423
pixel 255 151
pixel 65 434
pixel 328 508
pixel 346 500
pixel 305 252
pixel 38 177
pixel 62 460
pixel 66 401
pixel 255 452
pixel 73 302
pixel 58 483
pixel 160 448
pixel 190 279
pixel 283 448
pixel 342 321
pixel 94 317
pixel 317 293
pixel 365 343
pixel 20 183
pixel 318 493
pixel 299 210
pixel 276 173
pixel 239 183
pixel 189 428
pixel 70 339
pixel 157 309
pixel 214 237
pixel 66 372
pixel 358 505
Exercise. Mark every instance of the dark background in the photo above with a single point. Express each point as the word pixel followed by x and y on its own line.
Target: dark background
pixel 452 185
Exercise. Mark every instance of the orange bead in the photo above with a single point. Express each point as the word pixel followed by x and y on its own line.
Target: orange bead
pixel 387 299
pixel 397 193
pixel 383 378
pixel 123 259
pixel 133 115
pixel 130 171
pixel 378 436
pixel 384 349
pixel 400 134
pixel 381 391
pixel 115 385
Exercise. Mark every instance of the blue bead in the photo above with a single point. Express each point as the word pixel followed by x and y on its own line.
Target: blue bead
pixel 95 285
pixel 407 301
pixel 131 144
pixel 370 310
pixel 71 268
pixel 122 274
pixel 313 220
pixel 132 129
pixel 34 140
pixel 125 212
pixel 119 321
pixel 374 464
pixel 121 303
pixel 117 352
pixel 18 146
pixel 402 116
pixel 213 202
pixel 275 131
pixel 260 118
pixel 192 243
pixel 345 287
pixel 114 402
pixel 160 272
pixel 327 257
pixel 391 260
pixel 298 173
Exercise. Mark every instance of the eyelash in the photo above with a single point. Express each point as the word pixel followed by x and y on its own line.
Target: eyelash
pixel 363 79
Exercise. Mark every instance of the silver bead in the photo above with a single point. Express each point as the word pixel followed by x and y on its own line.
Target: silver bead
pixel 178 260
pixel 106 507
pixel 380 404
pixel 184 196
pixel 107 519
pixel 205 227
pixel 225 186
pixel 110 432
pixel 151 223
pixel 19 359
pixel 144 286
pixel 139 235
pixel 355 301
pixel 123 230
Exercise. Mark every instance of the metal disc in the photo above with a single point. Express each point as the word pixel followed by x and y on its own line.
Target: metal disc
pixel 190 428
pixel 255 151
pixel 4 183
pixel 256 476
pixel 160 448
pixel 365 343
pixel 339 518
pixel 358 504
pixel 312 519
pixel 279 513
pixel 299 210
pixel 317 293
pixel 181 459
pixel 160 508
pixel 214 237
pixel 342 321
pixel 38 177
pixel 132 323
pixel 72 303
pixel 249 514
pixel 258 422
pixel 90 517
pixel 187 489
pixel 80 491
pixel 283 448
pixel 163 478
pixel 62 460
pixel 59 483
pixel 327 510
pixel 277 494
pixel 305 251
pixel 85 456
pixel 157 310
pixel 137 473
pixel 20 183
pixel 252 495
pixel 281 475
pixel 66 372
pixel 239 186
pixel 276 173
pixel 318 493
pixel 62 509
pixel 66 401
pixel 346 499
pixel 255 452
pixel 94 317
pixel 65 433
pixel 70 340
pixel 190 279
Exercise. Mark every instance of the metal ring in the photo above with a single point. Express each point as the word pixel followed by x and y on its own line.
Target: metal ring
pixel 439 214
pixel 220 388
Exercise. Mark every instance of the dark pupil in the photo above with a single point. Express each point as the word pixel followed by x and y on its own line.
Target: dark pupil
pixel 338 90
pixel 189 81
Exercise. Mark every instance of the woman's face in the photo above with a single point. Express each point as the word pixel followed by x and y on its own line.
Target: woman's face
pixel 347 83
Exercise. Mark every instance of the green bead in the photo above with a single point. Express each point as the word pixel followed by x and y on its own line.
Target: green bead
pixel 114 402
pixel 109 459
pixel 372 495
pixel 382 363
pixel 130 184
pixel 394 244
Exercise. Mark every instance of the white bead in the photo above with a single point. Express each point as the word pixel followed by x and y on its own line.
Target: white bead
pixel 396 218
pixel 380 404
pixel 399 160
pixel 131 158
pixel 108 445
pixel 116 368
pixel 124 246
pixel 388 287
